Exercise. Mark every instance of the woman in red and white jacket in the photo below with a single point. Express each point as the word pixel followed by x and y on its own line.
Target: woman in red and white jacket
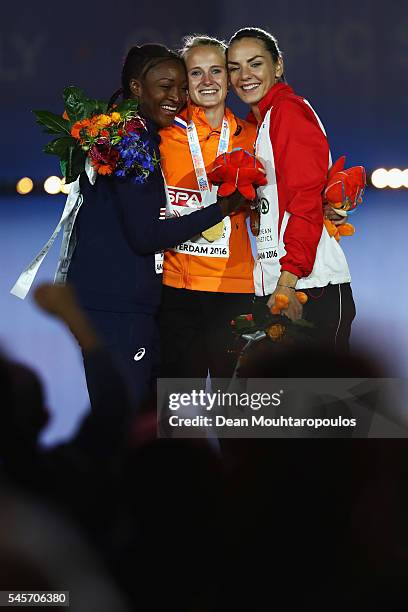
pixel 294 248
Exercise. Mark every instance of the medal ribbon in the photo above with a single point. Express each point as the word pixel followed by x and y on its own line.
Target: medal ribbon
pixel 67 220
pixel 197 156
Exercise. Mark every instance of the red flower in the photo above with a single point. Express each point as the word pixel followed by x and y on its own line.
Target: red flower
pixel 102 154
pixel 134 125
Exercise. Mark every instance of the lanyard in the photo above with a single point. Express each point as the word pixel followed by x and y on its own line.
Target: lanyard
pixel 72 206
pixel 197 156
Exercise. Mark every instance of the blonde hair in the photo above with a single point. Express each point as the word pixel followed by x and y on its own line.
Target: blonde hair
pixel 201 40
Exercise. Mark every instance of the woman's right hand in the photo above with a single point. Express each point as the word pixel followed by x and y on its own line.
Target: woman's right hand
pixel 294 309
pixel 232 203
pixel 286 286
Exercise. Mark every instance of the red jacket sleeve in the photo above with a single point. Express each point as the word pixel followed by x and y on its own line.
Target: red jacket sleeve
pixel 301 160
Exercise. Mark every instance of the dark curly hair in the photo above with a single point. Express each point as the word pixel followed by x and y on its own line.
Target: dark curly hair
pixel 139 60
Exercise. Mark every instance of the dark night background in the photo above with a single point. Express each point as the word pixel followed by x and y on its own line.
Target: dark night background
pixel 349 59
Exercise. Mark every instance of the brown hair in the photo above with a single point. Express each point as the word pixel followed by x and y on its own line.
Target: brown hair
pixel 269 40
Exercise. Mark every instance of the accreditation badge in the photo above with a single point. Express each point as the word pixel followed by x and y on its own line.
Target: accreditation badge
pixel 186 201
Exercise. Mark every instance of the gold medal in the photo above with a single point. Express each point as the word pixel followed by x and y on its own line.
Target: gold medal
pixel 214 233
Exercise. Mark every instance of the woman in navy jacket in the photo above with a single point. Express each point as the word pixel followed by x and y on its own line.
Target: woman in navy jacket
pixel 120 226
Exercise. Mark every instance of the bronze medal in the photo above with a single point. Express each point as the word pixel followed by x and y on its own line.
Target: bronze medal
pixel 255 220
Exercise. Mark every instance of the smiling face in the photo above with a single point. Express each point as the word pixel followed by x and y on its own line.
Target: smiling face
pixel 207 76
pixel 162 92
pixel 251 69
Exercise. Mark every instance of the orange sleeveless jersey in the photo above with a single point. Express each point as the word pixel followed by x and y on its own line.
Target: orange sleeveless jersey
pixel 233 274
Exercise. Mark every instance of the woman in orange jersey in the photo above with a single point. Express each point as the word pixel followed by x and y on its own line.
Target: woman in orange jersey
pixel 207 280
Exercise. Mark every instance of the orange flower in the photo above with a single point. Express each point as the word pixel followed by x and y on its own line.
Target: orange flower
pixel 302 297
pixel 65 115
pixel 77 127
pixel 276 332
pixel 115 117
pixel 92 130
pixel 104 169
pixel 281 302
pixel 101 121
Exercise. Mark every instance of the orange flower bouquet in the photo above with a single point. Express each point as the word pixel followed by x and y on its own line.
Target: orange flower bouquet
pixel 112 138
pixel 263 322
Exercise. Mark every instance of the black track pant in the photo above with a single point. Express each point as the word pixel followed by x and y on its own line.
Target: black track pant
pixel 133 341
pixel 195 332
pixel 332 310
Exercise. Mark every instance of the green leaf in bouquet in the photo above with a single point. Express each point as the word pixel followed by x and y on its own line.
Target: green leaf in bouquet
pixel 52 123
pixel 59 146
pixel 243 325
pixel 74 103
pixel 78 106
pixel 126 106
pixel 100 107
pixel 262 314
pixel 75 164
pixel 63 167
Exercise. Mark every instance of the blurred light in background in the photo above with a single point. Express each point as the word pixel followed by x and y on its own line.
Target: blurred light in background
pixel 52 185
pixel 65 188
pixel 394 178
pixel 381 178
pixel 24 185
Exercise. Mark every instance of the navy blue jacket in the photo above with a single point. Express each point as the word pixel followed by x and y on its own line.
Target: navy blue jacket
pixel 118 231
